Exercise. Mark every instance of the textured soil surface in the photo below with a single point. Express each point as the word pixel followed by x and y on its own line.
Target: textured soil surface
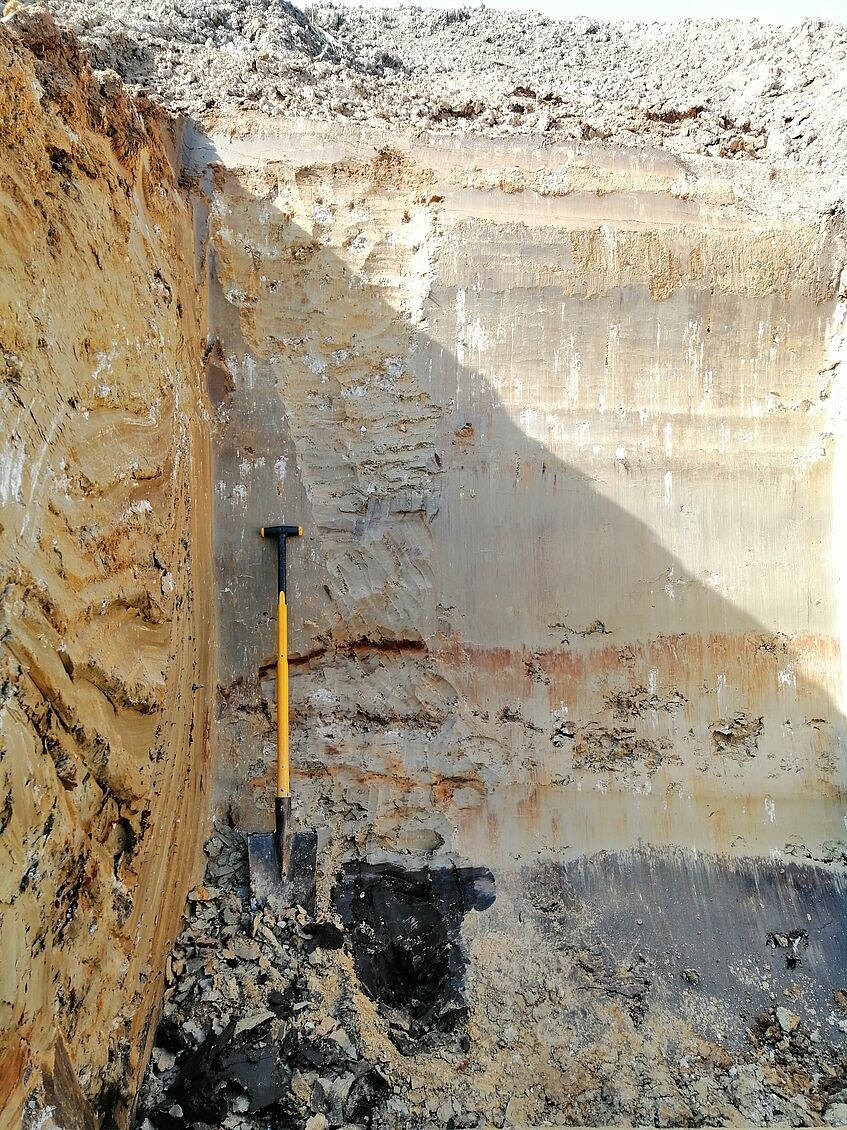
pixel 278 1020
pixel 718 87
pixel 412 998
pixel 102 569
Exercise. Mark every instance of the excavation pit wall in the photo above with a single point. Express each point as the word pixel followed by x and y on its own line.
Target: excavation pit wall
pixel 107 635
pixel 561 428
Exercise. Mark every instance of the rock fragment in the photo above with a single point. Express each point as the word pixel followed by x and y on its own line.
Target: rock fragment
pixel 788 1021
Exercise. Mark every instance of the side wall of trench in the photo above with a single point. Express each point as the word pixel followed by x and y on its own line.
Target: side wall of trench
pixel 106 614
pixel 560 427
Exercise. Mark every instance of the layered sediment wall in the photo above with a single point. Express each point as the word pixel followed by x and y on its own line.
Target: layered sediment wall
pixel 107 629
pixel 560 429
pixel 562 419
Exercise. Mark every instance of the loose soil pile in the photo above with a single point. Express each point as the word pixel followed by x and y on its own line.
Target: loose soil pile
pixel 288 1021
pixel 718 87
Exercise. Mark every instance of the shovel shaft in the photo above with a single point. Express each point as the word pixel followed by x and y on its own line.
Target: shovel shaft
pixel 282 866
pixel 283 755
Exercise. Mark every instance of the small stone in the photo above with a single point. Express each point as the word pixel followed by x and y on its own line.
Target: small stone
pixel 445 1112
pixel 301 1086
pixel 836 1115
pixel 341 1086
pixel 163 1059
pixel 322 1101
pixel 515 1113
pixel 203 894
pixel 253 1021
pixel 317 1122
pixel 193 1031
pixel 269 936
pixel 788 1021
pixel 245 949
pixel 340 1037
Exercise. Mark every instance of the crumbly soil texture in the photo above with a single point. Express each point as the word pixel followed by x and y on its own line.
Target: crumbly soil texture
pixel 359 1017
pixel 728 88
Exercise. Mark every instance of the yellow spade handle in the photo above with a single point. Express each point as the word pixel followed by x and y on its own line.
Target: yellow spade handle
pixel 283 757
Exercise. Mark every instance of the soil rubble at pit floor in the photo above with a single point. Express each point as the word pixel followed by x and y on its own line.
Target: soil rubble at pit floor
pixel 267 1022
pixel 721 88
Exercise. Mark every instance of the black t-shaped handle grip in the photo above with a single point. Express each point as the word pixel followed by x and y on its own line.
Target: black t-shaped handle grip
pixel 281 533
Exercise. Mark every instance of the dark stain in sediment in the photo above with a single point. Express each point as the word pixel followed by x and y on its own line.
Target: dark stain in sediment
pixel 705 936
pixel 404 926
pixel 219 384
pixel 363 645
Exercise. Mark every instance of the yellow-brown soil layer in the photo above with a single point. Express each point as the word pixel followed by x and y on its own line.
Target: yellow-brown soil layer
pixel 103 708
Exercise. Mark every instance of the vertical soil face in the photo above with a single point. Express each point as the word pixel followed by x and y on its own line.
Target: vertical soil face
pixel 559 434
pixel 106 627
pixel 558 427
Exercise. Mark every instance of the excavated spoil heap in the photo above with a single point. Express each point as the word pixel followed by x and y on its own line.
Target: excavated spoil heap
pixel 537 329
